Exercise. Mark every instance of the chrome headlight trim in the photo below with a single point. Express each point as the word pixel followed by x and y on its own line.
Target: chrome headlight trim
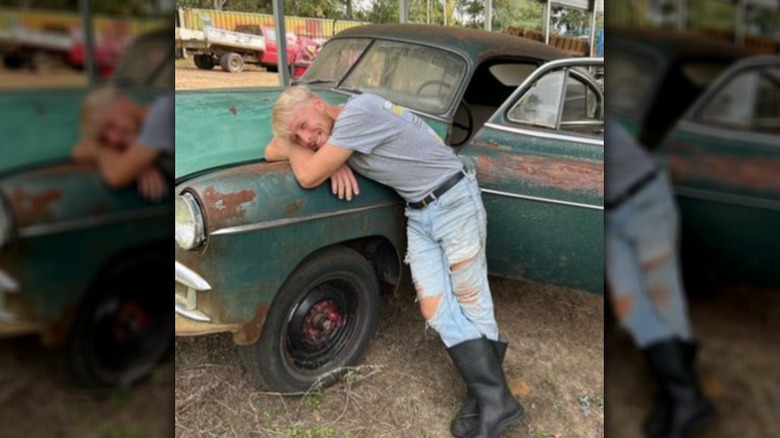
pixel 6 222
pixel 189 223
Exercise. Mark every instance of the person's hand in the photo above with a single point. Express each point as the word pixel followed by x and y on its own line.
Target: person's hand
pixel 343 183
pixel 277 150
pixel 152 185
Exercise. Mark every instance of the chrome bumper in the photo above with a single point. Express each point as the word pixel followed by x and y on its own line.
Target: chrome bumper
pixel 187 305
pixel 7 285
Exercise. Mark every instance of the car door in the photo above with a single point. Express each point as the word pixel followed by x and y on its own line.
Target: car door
pixel 540 164
pixel 724 158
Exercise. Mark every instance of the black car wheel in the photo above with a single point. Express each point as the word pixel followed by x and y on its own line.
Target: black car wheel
pixel 321 321
pixel 124 326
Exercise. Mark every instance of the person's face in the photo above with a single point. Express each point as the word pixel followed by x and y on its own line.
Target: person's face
pixel 310 126
pixel 116 128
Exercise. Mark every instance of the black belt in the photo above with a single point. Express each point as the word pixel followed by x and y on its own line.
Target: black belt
pixel 442 189
pixel 636 187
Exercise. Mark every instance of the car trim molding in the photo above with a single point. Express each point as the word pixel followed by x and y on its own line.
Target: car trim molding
pixel 725 198
pixel 72 225
pixel 729 134
pixel 289 221
pixel 547 135
pixel 535 198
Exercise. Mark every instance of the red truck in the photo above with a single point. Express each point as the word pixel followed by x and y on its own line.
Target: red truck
pixel 233 49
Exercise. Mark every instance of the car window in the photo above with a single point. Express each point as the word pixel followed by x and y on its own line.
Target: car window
pixel 417 77
pixel 149 63
pixel 539 105
pixel 563 100
pixel 631 78
pixel 750 100
pixel 335 58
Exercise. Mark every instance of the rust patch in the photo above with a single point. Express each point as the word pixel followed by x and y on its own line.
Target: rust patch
pixel 759 173
pixel 33 207
pixel 293 207
pixel 623 306
pixel 566 174
pixel 101 208
pixel 233 110
pixel 250 332
pixel 40 110
pixel 660 296
pixel 226 205
pixel 57 333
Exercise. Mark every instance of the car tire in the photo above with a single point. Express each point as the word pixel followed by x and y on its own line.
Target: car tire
pixel 204 62
pixel 320 322
pixel 124 326
pixel 232 62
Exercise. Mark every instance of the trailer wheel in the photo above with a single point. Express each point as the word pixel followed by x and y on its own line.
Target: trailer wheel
pixel 13 61
pixel 204 61
pixel 232 62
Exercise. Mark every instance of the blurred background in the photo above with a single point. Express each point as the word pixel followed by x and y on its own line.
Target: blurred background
pixel 697 83
pixel 86 331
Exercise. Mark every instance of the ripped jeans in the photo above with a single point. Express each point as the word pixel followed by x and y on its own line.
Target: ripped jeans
pixel 452 231
pixel 643 268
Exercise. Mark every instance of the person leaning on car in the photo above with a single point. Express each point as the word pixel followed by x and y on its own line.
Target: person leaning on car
pixel 641 235
pixel 124 155
pixel 446 227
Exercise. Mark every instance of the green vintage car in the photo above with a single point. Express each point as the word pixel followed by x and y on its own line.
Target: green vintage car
pixel 82 264
pixel 295 275
pixel 655 75
pixel 724 159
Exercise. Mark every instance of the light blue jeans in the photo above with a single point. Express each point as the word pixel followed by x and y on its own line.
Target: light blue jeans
pixel 451 230
pixel 643 271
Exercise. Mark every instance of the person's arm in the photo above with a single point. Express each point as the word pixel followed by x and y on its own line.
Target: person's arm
pixel 343 181
pixel 120 169
pixel 310 168
pixel 85 149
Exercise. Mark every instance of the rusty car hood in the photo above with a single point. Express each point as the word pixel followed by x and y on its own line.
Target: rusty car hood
pixel 218 128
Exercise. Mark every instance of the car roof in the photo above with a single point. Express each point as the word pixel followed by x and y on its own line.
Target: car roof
pixel 473 43
pixel 675 44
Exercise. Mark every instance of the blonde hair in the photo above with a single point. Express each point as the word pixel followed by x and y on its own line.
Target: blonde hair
pixel 93 105
pixel 285 106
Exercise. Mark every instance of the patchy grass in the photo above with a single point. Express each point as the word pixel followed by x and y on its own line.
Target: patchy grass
pixel 406 385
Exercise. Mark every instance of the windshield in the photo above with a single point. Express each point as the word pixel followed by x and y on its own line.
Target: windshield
pixel 417 77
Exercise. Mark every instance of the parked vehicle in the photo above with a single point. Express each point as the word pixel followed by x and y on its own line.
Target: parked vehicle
pixel 295 274
pixel 724 157
pixel 655 75
pixel 300 51
pixel 247 44
pixel 80 264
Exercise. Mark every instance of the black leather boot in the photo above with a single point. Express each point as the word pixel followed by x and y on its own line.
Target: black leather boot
pixel 467 418
pixel 657 422
pixel 682 407
pixel 481 370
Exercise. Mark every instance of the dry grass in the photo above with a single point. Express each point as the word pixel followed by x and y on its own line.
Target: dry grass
pixel 406 385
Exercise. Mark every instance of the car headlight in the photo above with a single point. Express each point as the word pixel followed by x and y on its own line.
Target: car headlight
pixel 190 231
pixel 6 222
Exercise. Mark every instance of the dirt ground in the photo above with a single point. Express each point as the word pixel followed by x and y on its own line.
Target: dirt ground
pixel 37 400
pixel 406 385
pixel 28 79
pixel 190 77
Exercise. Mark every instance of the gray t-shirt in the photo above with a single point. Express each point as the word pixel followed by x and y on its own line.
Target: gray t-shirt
pixel 393 146
pixel 626 161
pixel 158 131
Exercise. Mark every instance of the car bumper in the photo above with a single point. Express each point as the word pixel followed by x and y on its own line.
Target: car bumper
pixel 190 320
pixel 12 321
